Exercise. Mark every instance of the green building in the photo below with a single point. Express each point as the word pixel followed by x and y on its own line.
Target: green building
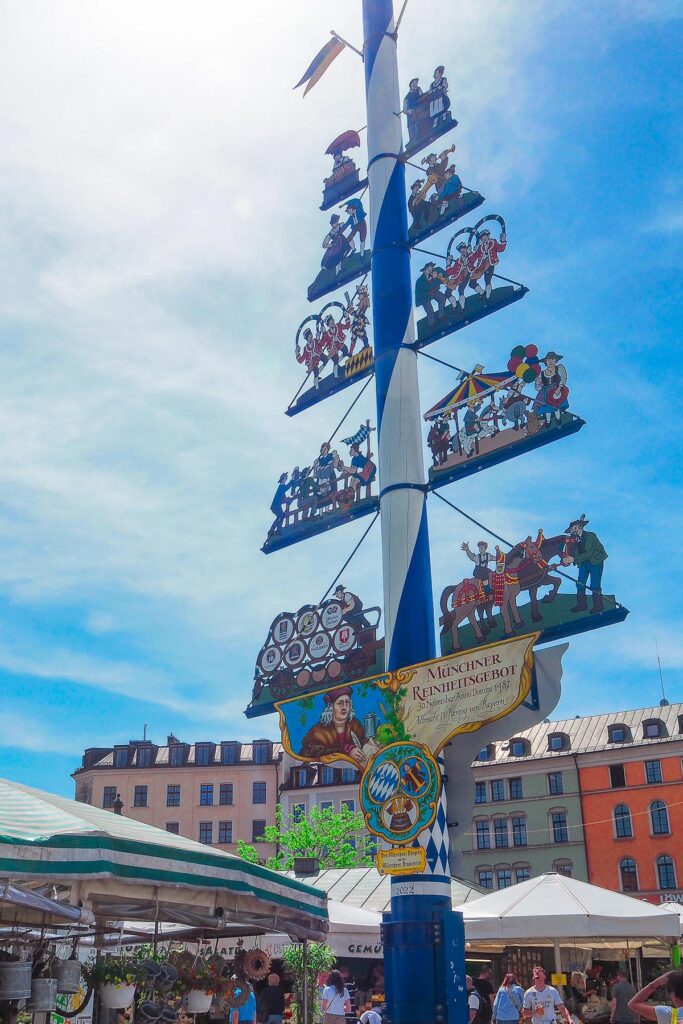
pixel 527 813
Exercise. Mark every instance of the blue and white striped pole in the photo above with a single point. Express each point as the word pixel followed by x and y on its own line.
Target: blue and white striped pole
pixel 421 981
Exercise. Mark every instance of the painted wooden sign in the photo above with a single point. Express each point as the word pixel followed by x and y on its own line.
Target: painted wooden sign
pixel 428 112
pixel 334 348
pixel 332 490
pixel 490 417
pixel 462 291
pixel 344 178
pixel 439 198
pixel 317 647
pixel 488 599
pixel 345 257
pixel 393 725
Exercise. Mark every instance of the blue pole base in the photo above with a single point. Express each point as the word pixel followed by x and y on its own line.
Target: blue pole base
pixel 424 961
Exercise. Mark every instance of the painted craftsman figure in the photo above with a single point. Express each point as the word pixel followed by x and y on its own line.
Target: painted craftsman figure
pixel 339 731
pixel 428 290
pixel 588 553
pixel 552 397
pixel 439 440
pixel 439 103
pixel 416 110
pixel 358 224
pixel 484 260
pixel 352 607
pixel 362 470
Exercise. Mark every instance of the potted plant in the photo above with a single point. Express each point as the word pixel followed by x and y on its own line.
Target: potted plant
pixel 115 978
pixel 199 981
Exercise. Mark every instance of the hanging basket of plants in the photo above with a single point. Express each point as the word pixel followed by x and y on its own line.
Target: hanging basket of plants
pixel 256 964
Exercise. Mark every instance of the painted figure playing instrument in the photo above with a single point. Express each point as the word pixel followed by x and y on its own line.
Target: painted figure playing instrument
pixel 336 245
pixel 436 167
pixel 552 398
pixel 485 258
pixel 588 553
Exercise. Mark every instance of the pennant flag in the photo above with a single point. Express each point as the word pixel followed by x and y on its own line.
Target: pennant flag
pixel 320 63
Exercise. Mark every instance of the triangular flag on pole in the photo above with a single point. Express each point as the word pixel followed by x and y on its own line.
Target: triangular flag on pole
pixel 320 63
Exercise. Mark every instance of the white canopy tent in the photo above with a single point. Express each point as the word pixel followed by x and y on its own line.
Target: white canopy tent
pixel 552 908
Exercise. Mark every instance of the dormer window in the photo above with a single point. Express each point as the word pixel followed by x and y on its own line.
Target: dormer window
pixel 144 758
pixel 203 753
pixel 558 741
pixel 176 755
pixel 261 751
pixel 120 757
pixel 230 752
pixel 519 747
pixel 487 753
pixel 618 734
pixel 653 728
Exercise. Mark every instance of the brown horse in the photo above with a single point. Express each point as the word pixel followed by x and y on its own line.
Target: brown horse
pixel 533 570
pixel 466 600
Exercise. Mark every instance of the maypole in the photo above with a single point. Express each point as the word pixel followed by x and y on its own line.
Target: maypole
pixel 414 931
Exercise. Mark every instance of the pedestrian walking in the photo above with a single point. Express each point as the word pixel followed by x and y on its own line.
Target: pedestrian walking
pixel 271 1002
pixel 336 1000
pixel 542 1002
pixel 622 993
pixel 509 1001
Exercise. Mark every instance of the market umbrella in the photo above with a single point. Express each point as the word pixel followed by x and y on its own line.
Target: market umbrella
pixel 476 384
pixel 125 870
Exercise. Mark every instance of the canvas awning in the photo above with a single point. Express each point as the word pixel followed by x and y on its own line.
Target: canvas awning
pixel 125 870
pixel 29 908
pixel 552 905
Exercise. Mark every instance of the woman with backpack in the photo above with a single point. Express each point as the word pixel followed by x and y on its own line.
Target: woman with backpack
pixel 507 1006
pixel 336 1000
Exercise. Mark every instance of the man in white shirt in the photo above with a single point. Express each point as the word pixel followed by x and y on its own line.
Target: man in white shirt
pixel 542 1002
pixel 473 999
pixel 672 981
pixel 370 1016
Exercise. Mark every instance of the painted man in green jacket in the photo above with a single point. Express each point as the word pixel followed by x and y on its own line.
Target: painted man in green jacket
pixel 589 554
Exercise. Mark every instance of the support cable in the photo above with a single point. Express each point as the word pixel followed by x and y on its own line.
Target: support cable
pixel 491 533
pixel 348 560
pixel 342 420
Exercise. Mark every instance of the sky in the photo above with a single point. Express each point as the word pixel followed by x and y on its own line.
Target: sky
pixel 159 225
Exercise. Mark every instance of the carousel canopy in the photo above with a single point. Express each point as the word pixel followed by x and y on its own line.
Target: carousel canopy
pixel 125 870
pixel 474 385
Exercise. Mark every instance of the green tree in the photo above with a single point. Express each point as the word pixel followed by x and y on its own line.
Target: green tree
pixel 335 838
pixel 319 958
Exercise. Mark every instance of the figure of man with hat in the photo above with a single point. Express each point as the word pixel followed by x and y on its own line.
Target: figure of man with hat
pixel 484 259
pixel 588 553
pixel 551 385
pixel 336 245
pixel 338 731
pixel 418 207
pixel 458 275
pixel 352 607
pixel 357 222
pixel 415 108
pixel 439 102
pixel 428 289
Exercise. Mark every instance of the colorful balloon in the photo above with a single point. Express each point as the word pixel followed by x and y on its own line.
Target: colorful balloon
pixel 518 350
pixel 529 376
pixel 521 370
pixel 531 350
pixel 533 361
pixel 514 363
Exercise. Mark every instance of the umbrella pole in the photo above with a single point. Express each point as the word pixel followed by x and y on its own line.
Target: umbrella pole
pixel 558 965
pixel 630 965
pixel 305 961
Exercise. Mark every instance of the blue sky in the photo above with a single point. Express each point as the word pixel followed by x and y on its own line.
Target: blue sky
pixel 159 185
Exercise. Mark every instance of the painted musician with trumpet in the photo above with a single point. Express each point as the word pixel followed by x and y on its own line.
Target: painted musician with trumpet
pixel 447 186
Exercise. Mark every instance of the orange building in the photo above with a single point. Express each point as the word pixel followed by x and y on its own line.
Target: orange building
pixel 631 788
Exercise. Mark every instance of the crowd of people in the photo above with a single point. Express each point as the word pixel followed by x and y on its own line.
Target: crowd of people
pixel 543 1004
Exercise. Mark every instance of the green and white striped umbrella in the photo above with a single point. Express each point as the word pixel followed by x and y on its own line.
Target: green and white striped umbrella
pixel 124 869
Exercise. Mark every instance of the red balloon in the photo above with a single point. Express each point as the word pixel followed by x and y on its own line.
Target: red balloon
pixel 514 363
pixel 531 350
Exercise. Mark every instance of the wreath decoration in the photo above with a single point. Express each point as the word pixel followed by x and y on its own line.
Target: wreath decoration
pixel 256 964
pixel 236 993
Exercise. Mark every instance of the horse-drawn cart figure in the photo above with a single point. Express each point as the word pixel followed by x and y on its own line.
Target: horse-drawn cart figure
pixel 487 599
pixel 319 646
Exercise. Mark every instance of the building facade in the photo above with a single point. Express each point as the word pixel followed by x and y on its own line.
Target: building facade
pixel 599 797
pixel 304 786
pixel 215 793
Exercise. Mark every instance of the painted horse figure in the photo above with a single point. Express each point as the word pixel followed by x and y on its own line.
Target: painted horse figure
pixel 473 600
pixel 533 569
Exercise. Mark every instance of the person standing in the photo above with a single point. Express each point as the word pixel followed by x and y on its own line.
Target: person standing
pixel 271 1003
pixel 474 1003
pixel 541 1001
pixel 336 1000
pixel 672 982
pixel 509 1001
pixel 245 1014
pixel 485 988
pixel 622 993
